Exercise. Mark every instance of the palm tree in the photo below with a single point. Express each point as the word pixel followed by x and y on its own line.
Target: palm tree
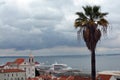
pixel 91 24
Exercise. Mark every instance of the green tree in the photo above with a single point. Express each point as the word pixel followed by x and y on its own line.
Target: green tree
pixel 91 24
pixel 37 72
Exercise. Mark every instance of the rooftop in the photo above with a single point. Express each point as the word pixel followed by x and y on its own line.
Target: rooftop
pixel 104 77
pixel 10 70
pixel 114 73
pixel 17 61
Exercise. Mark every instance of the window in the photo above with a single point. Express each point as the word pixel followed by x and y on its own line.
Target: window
pixel 25 69
pixel 22 78
pixel 32 60
pixel 33 74
pixel 33 70
pixel 12 75
pixel 16 74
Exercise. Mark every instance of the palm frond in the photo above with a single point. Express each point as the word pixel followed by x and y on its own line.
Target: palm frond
pixel 96 12
pixel 96 9
pixel 81 15
pixel 102 15
pixel 103 22
pixel 88 11
pixel 80 22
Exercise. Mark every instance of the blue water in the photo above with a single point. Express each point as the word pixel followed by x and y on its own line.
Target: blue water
pixel 80 62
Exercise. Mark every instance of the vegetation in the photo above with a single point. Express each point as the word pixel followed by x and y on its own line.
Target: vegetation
pixel 36 72
pixel 91 24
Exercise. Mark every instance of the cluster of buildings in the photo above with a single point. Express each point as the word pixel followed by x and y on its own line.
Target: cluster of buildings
pixel 22 69
pixel 109 75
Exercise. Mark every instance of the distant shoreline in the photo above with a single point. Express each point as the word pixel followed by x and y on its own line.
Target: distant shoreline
pixel 83 55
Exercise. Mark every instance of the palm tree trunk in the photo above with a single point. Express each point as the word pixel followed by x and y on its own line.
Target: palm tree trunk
pixel 93 65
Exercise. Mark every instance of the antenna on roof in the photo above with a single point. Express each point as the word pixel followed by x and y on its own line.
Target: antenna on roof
pixel 30 54
pixel 31 57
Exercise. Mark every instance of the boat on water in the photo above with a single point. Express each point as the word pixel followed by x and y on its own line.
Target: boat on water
pixel 57 67
pixel 54 68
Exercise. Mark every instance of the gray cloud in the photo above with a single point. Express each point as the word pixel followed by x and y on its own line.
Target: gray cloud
pixel 44 24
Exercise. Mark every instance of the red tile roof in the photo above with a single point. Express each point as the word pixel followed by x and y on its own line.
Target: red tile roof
pixel 74 78
pixel 37 63
pixel 104 77
pixel 19 61
pixel 49 77
pixel 32 79
pixel 1 66
pixel 45 77
pixel 70 78
pixel 10 70
pixel 63 78
pixel 8 63
pixel 55 79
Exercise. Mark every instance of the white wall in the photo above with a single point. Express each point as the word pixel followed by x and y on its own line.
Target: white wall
pixel 29 68
pixel 13 76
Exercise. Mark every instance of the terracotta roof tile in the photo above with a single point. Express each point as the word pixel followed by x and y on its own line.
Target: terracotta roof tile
pixel 37 63
pixel 70 78
pixel 1 66
pixel 32 79
pixel 55 79
pixel 63 78
pixel 9 63
pixel 104 77
pixel 45 77
pixel 19 61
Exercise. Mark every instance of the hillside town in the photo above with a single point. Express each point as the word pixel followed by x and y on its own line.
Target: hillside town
pixel 29 69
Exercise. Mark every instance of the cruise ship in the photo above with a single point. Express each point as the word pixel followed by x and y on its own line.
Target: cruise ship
pixel 57 67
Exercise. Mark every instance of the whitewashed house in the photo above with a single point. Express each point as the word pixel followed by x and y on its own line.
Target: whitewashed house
pixel 20 63
pixel 109 75
pixel 12 74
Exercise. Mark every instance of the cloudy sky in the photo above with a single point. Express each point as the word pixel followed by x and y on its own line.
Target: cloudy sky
pixel 45 27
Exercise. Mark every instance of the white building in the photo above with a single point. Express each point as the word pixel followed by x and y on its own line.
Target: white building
pixel 12 74
pixel 109 75
pixel 20 63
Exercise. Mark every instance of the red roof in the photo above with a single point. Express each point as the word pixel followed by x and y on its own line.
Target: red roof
pixel 37 63
pixel 49 77
pixel 70 78
pixel 104 77
pixel 32 79
pixel 55 79
pixel 19 60
pixel 74 78
pixel 1 66
pixel 8 63
pixel 10 70
pixel 45 76
pixel 63 77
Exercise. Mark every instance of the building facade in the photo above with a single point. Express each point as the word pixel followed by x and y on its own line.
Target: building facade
pixel 27 65
pixel 12 74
